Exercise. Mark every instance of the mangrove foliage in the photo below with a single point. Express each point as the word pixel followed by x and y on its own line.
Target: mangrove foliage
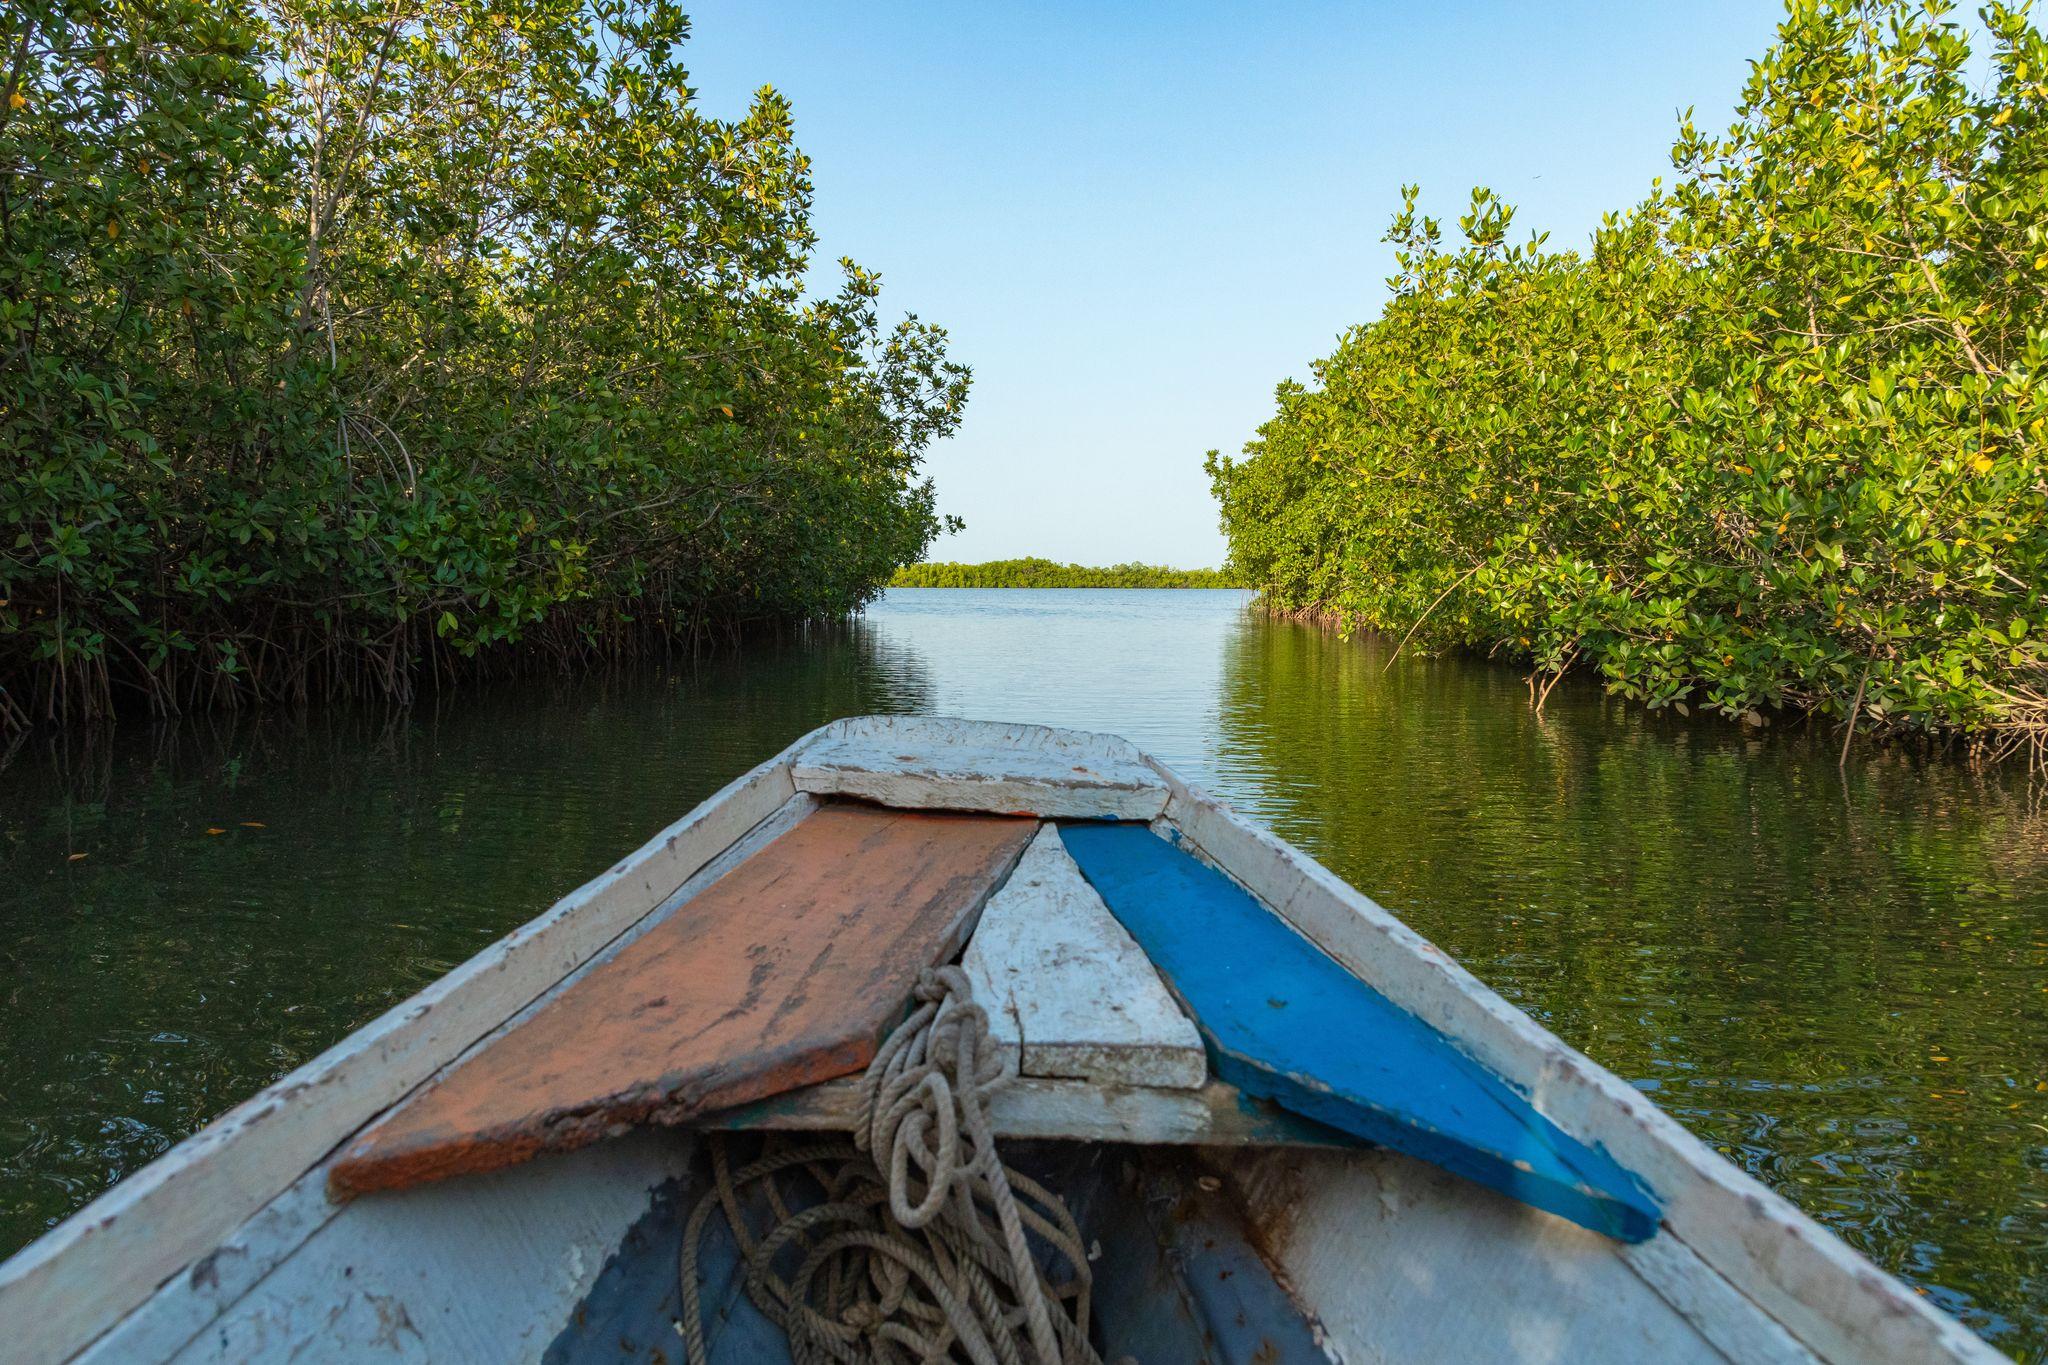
pixel 344 346
pixel 1773 442
pixel 1044 573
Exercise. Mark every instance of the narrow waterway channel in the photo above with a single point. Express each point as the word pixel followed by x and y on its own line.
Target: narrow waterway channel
pixel 1839 978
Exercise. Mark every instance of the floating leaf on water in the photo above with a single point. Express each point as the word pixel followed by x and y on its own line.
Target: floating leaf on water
pixel 74 857
pixel 215 829
pixel 254 824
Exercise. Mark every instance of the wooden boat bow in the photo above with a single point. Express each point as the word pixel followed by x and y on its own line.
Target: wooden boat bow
pixel 1424 1168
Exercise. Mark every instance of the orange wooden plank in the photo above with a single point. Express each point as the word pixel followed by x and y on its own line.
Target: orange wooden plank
pixel 784 972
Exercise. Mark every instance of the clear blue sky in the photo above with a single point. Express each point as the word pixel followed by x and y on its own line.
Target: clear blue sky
pixel 1136 218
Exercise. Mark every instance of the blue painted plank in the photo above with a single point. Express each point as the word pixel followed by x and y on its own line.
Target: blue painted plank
pixel 1284 1021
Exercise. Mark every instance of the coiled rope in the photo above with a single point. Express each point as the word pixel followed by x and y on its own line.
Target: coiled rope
pixel 919 1249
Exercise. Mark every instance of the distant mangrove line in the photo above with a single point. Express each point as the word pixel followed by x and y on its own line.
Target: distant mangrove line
pixel 344 347
pixel 1773 443
pixel 1044 573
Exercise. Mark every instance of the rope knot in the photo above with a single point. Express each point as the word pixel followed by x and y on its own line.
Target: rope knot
pixel 920 1243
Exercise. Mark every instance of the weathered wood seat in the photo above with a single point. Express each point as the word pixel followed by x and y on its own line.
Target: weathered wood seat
pixel 784 972
pixel 921 763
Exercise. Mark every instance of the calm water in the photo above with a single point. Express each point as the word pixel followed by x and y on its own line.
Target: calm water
pixel 1840 980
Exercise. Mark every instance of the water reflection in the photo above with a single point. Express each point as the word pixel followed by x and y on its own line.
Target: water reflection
pixel 1841 979
pixel 192 910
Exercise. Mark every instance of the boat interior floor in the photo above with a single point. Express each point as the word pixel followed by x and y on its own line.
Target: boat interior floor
pixel 1176 1274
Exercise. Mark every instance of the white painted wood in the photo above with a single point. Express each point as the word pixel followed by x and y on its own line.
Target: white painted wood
pixel 928 763
pixel 1716 1308
pixel 185 1304
pixel 1400 1261
pixel 1050 960
pixel 1832 1300
pixel 482 1269
pixel 69 1286
pixel 1030 1107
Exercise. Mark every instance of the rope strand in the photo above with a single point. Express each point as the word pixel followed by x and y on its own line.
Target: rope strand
pixel 919 1248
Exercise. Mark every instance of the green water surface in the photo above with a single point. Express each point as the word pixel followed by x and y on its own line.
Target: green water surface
pixel 1837 977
